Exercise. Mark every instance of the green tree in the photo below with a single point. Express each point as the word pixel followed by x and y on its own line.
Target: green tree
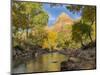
pixel 88 15
pixel 80 30
pixel 27 16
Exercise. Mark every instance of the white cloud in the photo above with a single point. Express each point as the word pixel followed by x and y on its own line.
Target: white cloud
pixel 51 17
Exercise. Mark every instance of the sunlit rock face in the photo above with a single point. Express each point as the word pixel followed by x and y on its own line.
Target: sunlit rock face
pixel 62 20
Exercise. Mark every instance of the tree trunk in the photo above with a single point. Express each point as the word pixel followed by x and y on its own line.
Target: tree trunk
pixel 90 36
pixel 27 27
pixel 27 32
pixel 90 31
pixel 82 43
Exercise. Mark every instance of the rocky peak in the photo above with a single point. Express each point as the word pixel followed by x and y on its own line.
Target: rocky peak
pixel 63 19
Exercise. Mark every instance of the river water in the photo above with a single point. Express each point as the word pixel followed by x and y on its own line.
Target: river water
pixel 44 63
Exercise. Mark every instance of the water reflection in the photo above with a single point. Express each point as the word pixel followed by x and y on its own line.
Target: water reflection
pixel 44 63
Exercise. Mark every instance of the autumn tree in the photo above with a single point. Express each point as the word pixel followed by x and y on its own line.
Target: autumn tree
pixel 50 41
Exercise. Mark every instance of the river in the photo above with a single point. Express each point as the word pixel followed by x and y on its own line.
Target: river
pixel 44 63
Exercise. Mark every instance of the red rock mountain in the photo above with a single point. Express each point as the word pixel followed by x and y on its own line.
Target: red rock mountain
pixel 63 19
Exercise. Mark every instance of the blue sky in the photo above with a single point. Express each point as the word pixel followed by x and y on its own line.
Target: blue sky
pixel 54 12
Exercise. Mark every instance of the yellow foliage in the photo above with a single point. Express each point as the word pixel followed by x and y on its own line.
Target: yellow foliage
pixel 52 36
pixel 45 44
pixel 50 41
